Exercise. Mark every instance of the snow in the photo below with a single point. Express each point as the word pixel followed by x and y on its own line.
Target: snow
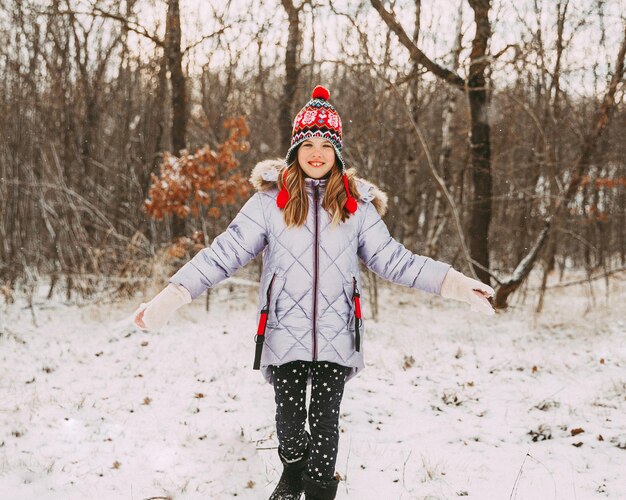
pixel 447 407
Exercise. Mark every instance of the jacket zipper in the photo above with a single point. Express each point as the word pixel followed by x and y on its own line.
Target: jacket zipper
pixel 316 195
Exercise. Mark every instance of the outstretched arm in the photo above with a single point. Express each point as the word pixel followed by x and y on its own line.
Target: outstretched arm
pixel 391 260
pixel 244 238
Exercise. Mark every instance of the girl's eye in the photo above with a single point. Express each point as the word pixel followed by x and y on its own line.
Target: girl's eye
pixel 327 145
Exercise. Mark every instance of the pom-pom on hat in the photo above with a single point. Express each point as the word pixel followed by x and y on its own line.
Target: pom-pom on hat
pixel 318 118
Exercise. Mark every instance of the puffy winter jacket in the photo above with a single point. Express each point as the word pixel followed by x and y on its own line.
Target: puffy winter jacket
pixel 310 273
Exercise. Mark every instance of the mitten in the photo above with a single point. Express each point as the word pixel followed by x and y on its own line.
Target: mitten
pixel 460 287
pixel 156 313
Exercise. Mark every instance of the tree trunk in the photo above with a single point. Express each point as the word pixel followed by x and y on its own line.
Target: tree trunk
pixel 179 102
pixel 291 75
pixel 480 146
pixel 552 117
pixel 177 78
pixel 620 216
pixel 411 190
pixel 439 209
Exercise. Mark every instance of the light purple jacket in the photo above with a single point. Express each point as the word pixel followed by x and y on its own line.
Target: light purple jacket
pixel 310 271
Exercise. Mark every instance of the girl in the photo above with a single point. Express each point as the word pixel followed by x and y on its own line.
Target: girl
pixel 314 220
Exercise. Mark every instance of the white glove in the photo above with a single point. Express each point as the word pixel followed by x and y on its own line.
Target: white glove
pixel 460 287
pixel 156 313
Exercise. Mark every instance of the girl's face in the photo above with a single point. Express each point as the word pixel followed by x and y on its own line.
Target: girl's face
pixel 316 156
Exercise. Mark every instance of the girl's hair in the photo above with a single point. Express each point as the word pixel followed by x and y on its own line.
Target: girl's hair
pixel 334 201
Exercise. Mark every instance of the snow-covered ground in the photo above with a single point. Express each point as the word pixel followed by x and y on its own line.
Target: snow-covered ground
pixel 451 404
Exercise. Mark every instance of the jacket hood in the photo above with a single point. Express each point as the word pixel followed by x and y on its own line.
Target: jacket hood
pixel 264 177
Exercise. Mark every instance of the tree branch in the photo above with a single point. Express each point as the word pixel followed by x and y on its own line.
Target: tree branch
pixel 98 12
pixel 206 37
pixel 416 54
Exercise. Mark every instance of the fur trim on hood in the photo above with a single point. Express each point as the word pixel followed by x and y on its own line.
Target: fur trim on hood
pixel 265 176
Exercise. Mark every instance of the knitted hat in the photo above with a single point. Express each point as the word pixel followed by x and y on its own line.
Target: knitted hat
pixel 318 118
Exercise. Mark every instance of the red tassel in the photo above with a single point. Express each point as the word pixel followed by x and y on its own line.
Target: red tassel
pixel 283 195
pixel 351 204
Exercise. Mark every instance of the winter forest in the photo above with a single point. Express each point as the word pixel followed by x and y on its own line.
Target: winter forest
pixel 497 128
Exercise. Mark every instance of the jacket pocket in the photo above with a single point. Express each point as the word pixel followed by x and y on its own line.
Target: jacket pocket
pixel 355 321
pixel 348 288
pixel 275 288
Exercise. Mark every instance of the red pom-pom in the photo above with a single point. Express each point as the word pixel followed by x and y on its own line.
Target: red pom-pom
pixel 320 92
pixel 283 194
pixel 282 198
pixel 351 205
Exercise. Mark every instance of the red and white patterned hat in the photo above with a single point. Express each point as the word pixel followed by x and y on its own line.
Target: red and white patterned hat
pixel 318 118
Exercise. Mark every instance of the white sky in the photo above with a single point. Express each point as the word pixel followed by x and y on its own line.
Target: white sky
pixel 511 22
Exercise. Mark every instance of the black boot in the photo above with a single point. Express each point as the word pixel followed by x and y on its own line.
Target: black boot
pixel 290 484
pixel 319 490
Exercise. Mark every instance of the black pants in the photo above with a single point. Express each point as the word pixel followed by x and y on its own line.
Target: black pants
pixel 327 384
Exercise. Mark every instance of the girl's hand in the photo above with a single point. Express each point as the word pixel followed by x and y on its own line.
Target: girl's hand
pixel 139 319
pixel 460 287
pixel 155 314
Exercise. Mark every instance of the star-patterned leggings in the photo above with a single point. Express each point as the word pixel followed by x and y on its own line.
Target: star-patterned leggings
pixel 327 384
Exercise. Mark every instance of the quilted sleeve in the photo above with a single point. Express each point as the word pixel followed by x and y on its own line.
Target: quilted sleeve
pixel 391 260
pixel 244 239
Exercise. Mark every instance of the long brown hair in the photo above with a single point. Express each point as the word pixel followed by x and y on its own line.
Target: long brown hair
pixel 334 201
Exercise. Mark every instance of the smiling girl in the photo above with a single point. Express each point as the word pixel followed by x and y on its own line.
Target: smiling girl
pixel 314 220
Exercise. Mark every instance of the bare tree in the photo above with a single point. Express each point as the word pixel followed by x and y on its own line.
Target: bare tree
pixel 89 119
pixel 449 107
pixel 292 70
pixel 175 65
pixel 475 87
pixel 576 173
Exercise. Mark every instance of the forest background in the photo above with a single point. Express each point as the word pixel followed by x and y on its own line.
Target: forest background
pixel 496 127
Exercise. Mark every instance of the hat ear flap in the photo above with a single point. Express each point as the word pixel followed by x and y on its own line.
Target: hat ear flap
pixel 283 195
pixel 351 204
